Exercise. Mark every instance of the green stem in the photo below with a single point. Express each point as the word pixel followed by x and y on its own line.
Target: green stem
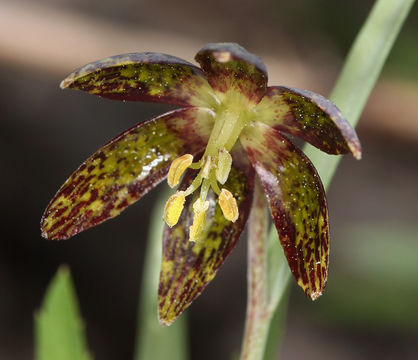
pixel 258 311
pixel 277 327
pixel 355 83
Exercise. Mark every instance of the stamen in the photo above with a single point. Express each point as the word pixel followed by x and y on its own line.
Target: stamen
pixel 194 185
pixel 199 208
pixel 173 208
pixel 177 168
pixel 214 168
pixel 228 205
pixel 224 166
pixel 214 186
pixel 196 165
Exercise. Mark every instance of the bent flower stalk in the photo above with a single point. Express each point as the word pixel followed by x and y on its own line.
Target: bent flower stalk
pixel 228 130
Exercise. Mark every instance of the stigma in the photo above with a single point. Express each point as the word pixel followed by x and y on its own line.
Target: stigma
pixel 213 170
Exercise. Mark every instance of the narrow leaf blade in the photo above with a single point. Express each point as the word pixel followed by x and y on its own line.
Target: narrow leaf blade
pixel 59 330
pixel 361 70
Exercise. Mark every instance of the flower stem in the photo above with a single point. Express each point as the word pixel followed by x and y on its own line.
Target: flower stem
pixel 358 77
pixel 258 311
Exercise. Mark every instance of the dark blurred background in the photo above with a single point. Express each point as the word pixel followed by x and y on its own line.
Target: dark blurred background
pixel 370 307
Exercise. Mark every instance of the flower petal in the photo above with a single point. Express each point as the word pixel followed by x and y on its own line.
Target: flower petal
pixel 123 170
pixel 229 66
pixel 143 77
pixel 297 203
pixel 309 116
pixel 187 267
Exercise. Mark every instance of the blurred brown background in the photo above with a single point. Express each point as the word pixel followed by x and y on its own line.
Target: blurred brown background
pixel 370 307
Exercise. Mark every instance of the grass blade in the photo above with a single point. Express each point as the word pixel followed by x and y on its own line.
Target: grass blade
pixel 355 83
pixel 361 70
pixel 59 330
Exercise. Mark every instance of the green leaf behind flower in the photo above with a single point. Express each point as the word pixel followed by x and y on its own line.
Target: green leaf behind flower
pixel 59 330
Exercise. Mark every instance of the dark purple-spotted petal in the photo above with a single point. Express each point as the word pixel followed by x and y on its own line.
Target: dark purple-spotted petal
pixel 187 267
pixel 309 116
pixel 123 170
pixel 297 203
pixel 229 66
pixel 143 77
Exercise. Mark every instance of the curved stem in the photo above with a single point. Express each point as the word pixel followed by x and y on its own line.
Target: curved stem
pixel 258 311
pixel 358 77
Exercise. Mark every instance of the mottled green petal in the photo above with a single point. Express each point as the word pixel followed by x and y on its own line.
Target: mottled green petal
pixel 309 116
pixel 123 170
pixel 229 67
pixel 143 77
pixel 187 267
pixel 297 204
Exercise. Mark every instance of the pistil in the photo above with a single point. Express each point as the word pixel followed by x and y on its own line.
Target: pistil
pixel 214 167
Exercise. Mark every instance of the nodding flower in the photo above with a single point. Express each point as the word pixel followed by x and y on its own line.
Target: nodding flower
pixel 230 128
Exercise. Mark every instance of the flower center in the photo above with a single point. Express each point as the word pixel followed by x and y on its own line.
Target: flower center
pixel 214 168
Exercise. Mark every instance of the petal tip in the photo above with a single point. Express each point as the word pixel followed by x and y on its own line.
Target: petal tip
pixel 164 321
pixel 315 295
pixel 355 148
pixel 356 151
pixel 66 83
pixel 44 232
pixel 47 236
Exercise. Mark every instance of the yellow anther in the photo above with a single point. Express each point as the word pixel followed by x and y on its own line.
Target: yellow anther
pixel 173 208
pixel 224 166
pixel 177 168
pixel 228 205
pixel 199 208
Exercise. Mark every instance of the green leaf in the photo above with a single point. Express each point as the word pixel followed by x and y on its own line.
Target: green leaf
pixel 59 330
pixel 361 71
pixel 358 77
pixel 385 256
